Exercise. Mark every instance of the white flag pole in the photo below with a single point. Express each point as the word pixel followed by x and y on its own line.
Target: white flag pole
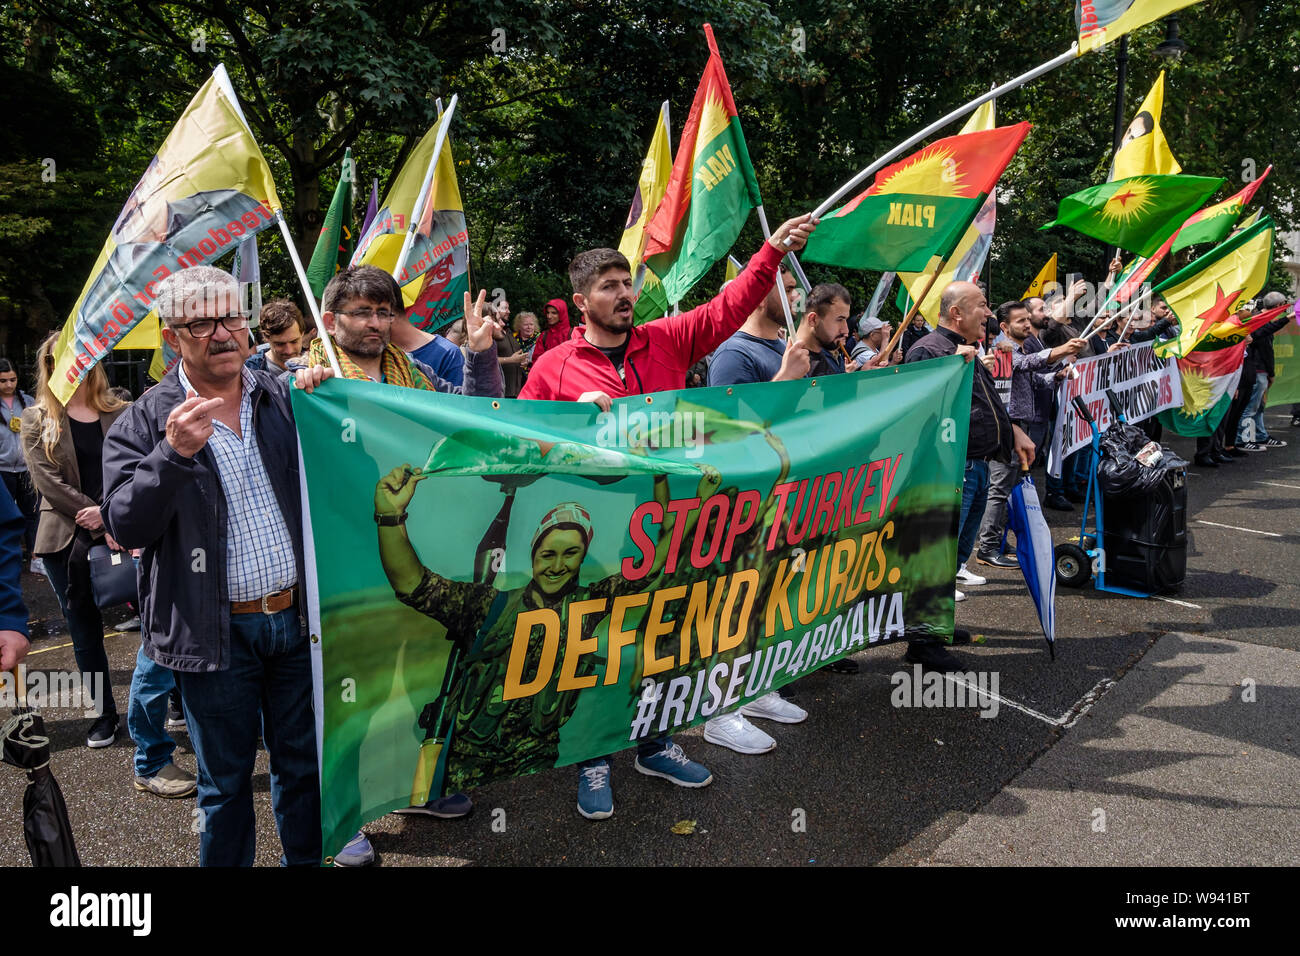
pixel 937 125
pixel 223 80
pixel 444 123
pixel 780 286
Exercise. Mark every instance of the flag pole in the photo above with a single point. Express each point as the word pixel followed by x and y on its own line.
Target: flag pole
pixel 937 125
pixel 916 307
pixel 444 123
pixel 223 80
pixel 311 297
pixel 780 286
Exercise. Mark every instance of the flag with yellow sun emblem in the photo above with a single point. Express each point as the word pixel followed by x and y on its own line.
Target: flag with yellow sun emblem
pixel 1212 372
pixel 1137 214
pixel 919 207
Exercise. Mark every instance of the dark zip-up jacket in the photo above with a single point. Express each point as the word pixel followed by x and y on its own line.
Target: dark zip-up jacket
pixel 990 427
pixel 175 509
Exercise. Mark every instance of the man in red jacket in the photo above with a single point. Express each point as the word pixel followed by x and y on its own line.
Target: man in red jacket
pixel 611 358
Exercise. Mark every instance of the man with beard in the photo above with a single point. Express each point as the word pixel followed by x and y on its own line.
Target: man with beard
pixel 757 353
pixel 825 329
pixel 362 304
pixel 612 358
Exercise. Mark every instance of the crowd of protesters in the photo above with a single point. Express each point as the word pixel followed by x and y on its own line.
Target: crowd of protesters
pixel 198 480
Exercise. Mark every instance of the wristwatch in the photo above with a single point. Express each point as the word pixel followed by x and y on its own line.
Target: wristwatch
pixel 389 521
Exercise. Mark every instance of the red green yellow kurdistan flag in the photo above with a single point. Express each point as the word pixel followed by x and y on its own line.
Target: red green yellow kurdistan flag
pixel 1104 21
pixel 1144 151
pixel 968 258
pixel 709 195
pixel 650 188
pixel 1137 214
pixel 1213 223
pixel 919 207
pixel 1209 289
pixel 1211 373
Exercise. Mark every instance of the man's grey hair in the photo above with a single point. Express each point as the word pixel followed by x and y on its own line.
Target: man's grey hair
pixel 189 293
pixel 1273 300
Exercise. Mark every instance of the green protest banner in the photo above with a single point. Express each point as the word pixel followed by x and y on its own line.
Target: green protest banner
pixel 1286 361
pixel 501 587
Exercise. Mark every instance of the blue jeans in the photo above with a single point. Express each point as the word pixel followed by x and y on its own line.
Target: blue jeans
pixel 146 715
pixel 974 496
pixel 1254 411
pixel 267 684
pixel 71 583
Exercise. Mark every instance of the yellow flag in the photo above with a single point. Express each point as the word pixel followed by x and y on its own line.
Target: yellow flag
pixel 650 188
pixel 1209 289
pixel 207 189
pixel 1046 276
pixel 1143 150
pixel 146 335
pixel 1104 21
pixel 967 259
pixel 442 239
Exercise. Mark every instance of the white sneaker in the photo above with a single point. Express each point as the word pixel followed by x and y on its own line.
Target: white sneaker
pixel 736 733
pixel 970 578
pixel 37 566
pixel 958 595
pixel 775 707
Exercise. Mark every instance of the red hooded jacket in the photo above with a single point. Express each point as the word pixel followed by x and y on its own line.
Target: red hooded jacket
pixel 659 352
pixel 553 335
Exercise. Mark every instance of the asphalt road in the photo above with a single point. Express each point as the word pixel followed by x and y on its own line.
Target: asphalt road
pixel 1140 715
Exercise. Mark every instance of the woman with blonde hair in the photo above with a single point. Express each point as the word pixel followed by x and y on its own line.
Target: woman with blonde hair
pixel 64 446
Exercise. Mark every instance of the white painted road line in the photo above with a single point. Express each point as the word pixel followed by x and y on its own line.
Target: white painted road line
pixel 1179 603
pixel 1233 527
pixel 1278 484
pixel 978 693
pixel 1068 719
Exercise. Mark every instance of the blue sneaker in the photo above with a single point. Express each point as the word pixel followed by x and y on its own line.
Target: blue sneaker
pixel 595 798
pixel 450 807
pixel 671 764
pixel 358 852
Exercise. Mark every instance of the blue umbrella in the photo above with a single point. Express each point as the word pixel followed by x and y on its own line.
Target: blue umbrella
pixel 1035 553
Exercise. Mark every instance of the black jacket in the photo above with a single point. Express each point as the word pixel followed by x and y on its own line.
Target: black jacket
pixel 1163 329
pixel 1261 345
pixel 175 509
pixel 990 426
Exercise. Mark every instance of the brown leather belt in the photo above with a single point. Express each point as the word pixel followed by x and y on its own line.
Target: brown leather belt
pixel 269 604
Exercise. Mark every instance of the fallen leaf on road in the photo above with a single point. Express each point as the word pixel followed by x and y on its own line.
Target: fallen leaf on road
pixel 684 827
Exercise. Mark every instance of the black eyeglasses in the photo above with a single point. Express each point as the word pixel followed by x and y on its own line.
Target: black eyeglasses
pixel 203 328
pixel 365 315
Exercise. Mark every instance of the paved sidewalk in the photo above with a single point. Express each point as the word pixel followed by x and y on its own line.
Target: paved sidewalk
pixel 1172 768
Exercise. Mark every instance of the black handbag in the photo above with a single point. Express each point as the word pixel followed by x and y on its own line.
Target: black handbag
pixel 112 577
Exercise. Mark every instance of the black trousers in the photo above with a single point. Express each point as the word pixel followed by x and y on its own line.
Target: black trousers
pixel 28 501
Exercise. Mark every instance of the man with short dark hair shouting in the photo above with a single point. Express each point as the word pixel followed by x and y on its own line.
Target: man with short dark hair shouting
pixel 612 358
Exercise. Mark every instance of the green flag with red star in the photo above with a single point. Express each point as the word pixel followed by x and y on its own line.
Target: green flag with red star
pixel 1137 214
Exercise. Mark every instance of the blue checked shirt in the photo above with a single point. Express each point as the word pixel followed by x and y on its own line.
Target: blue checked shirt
pixel 259 551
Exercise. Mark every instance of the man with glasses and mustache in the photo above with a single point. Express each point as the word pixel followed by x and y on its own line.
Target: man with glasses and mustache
pixel 202 474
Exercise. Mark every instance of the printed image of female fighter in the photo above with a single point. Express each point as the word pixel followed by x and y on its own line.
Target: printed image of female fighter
pixel 490 738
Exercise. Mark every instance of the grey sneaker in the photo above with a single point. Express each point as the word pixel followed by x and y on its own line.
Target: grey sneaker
pixel 171 781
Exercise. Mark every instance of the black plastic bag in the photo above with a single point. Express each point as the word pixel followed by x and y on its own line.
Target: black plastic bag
pixel 1119 472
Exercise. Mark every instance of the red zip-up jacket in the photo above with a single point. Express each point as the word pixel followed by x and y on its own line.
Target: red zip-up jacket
pixel 659 352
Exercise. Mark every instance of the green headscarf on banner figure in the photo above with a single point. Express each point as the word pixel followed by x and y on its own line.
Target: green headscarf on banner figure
pixel 494 663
